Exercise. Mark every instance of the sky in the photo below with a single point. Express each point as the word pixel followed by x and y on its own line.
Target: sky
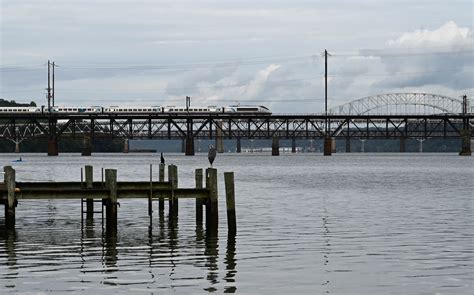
pixel 151 52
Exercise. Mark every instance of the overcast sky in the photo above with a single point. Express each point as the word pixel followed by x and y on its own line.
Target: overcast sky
pixel 149 52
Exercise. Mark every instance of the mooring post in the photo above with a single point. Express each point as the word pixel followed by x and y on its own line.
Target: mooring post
pixel 9 180
pixel 89 185
pixel 150 195
pixel 173 201
pixel 230 202
pixel 199 203
pixel 212 217
pixel 111 185
pixel 161 202
pixel 275 146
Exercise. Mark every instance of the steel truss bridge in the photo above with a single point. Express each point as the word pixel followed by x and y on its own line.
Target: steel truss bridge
pixel 351 125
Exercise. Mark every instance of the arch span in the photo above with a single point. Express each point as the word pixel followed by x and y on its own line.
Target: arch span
pixel 400 104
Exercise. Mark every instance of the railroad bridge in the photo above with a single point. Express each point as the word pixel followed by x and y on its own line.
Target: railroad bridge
pixel 397 116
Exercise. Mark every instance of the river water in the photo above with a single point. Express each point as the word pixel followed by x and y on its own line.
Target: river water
pixel 307 224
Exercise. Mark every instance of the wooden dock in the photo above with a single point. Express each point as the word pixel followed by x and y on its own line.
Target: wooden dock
pixel 108 191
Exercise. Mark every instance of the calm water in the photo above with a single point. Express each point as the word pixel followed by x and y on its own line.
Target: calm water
pixel 307 224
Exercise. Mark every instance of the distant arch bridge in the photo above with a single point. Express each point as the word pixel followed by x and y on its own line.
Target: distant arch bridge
pixel 401 104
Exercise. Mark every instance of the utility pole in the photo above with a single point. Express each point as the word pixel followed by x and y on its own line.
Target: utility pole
pixel 327 136
pixel 53 84
pixel 49 86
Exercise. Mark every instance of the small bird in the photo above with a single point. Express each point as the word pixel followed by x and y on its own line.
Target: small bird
pixel 162 159
pixel 211 155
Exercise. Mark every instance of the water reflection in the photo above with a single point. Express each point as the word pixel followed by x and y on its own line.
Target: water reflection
pixel 9 237
pixel 230 266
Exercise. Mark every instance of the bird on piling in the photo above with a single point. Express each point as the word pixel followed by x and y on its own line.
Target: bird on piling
pixel 162 159
pixel 211 155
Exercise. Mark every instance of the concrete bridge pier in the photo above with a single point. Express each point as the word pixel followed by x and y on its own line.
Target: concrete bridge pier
pixel 293 145
pixel 239 145
pixel 465 143
pixel 53 149
pixel 333 145
pixel 275 146
pixel 362 145
pixel 327 145
pixel 126 146
pixel 420 144
pixel 348 145
pixel 17 147
pixel 189 146
pixel 86 146
pixel 403 146
pixel 219 138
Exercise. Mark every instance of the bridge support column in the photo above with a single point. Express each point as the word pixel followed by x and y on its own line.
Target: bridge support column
pixel 126 146
pixel 403 146
pixel 86 146
pixel 239 146
pixel 275 146
pixel 465 142
pixel 189 146
pixel 348 145
pixel 293 145
pixel 53 149
pixel 17 147
pixel 327 145
pixel 420 144
pixel 362 145
pixel 219 138
pixel 333 145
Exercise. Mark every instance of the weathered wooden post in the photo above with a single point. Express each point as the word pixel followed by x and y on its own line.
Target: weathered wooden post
pixel 199 202
pixel 150 194
pixel 89 184
pixel 173 201
pixel 230 202
pixel 161 202
pixel 212 217
pixel 111 211
pixel 9 179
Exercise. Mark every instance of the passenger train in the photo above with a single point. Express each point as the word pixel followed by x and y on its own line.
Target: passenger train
pixel 237 109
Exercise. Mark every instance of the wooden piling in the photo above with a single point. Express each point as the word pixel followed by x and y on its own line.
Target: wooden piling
pixel 173 201
pixel 150 195
pixel 230 202
pixel 212 217
pixel 161 202
pixel 89 181
pixel 10 183
pixel 111 185
pixel 199 202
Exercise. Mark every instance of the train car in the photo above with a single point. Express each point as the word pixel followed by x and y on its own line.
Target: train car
pixel 248 109
pixel 194 110
pixel 132 110
pixel 19 110
pixel 75 110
